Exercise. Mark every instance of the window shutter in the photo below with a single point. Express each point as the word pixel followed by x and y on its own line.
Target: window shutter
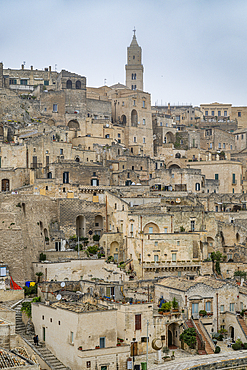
pixel 138 322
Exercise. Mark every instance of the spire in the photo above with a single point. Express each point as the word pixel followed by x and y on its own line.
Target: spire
pixel 134 41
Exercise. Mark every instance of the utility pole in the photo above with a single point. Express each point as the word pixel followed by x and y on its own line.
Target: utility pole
pixel 147 346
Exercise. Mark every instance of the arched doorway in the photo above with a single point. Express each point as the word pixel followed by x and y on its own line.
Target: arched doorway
pixel 169 338
pixel 134 118
pixel 80 226
pixel 173 335
pixel 123 119
pixel 78 84
pixel 69 84
pixel 98 225
pixel 114 250
pixel 5 185
pixel 73 124
pixel 231 332
pixel 49 175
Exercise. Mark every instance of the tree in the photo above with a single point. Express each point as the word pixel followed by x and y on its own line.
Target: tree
pixel 174 303
pixel 216 258
pixel 189 337
pixel 39 274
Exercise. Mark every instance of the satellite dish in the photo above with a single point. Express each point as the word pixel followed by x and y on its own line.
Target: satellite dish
pixel 63 284
pixel 58 297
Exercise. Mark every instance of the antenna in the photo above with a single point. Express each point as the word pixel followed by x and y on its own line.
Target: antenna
pixel 58 297
pixel 63 284
pixel 105 81
pixel 55 67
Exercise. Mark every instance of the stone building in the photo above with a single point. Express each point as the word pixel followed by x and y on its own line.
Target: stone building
pixel 87 332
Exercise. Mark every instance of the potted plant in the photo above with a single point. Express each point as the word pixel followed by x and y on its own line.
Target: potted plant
pixel 118 344
pixel 175 304
pixel 80 348
pixel 202 313
pixel 97 347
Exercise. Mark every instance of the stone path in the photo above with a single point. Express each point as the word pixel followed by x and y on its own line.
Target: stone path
pixel 189 363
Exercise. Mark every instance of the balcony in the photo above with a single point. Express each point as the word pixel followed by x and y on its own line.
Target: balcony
pixel 35 165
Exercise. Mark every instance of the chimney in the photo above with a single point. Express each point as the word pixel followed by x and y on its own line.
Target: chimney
pixel 22 66
pixel 49 68
pixel 169 108
pixel 31 68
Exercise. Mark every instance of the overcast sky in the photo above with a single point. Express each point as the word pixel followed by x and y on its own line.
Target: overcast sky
pixel 194 51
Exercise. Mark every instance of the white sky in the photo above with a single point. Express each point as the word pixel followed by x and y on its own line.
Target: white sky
pixel 194 51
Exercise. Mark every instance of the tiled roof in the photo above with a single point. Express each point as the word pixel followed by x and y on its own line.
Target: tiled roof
pixel 184 284
pixel 78 307
pixel 7 359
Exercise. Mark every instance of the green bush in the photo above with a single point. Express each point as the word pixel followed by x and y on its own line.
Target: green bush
pixel 189 337
pixel 174 303
pixel 30 290
pixel 93 249
pixel 96 238
pixel 42 257
pixel 203 313
pixel 217 349
pixel 166 306
pixel 26 307
pixel 236 346
pixel 245 345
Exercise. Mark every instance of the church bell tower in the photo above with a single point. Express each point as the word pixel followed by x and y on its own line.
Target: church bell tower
pixel 134 68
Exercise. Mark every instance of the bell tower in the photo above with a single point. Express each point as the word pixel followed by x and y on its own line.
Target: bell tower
pixel 134 68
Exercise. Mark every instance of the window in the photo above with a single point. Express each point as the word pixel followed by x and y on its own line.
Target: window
pixel 107 136
pixel 134 103
pixel 134 139
pixel 208 306
pixel 102 342
pixel 23 82
pixel 212 113
pixel 54 108
pixel 233 178
pixel 61 151
pixel 71 337
pixel 192 225
pixel 239 114
pixel 133 87
pixel 59 323
pixel 219 145
pixel 178 243
pixel 206 112
pixel 160 123
pixel 224 145
pixel 197 186
pixel 231 147
pixel 118 135
pixel 231 307
pixel 123 103
pixel 174 257
pixel 50 319
pixel 150 230
pixel 144 140
pixel 128 175
pixel 138 325
pixel 46 82
pixel 43 317
pixel 222 308
pixel 216 208
pixel 143 104
pixel 12 81
pixel 237 137
pixel 133 167
pixel 179 273
pixel 94 173
pixel 156 244
pixel 133 56
pixel 195 308
pixel 210 145
pixel 225 113
pixel 219 113
pixel 165 230
pixel 88 364
pixel 242 137
pixel 94 182
pixel 156 258
pixel 216 176
pixel 144 121
pixel 65 177
pixel 133 76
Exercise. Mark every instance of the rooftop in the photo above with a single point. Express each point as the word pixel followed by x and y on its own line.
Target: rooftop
pixel 79 307
pixel 184 284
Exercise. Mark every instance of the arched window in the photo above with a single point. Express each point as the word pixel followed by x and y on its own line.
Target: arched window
pixel 198 186
pixel 177 155
pixel 78 84
pixel 69 84
pixel 134 118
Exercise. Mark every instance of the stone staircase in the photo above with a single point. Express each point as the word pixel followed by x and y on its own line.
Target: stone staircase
pixel 243 326
pixel 200 344
pixel 27 334
pixel 208 349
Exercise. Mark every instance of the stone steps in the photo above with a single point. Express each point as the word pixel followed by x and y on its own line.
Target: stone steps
pixel 208 348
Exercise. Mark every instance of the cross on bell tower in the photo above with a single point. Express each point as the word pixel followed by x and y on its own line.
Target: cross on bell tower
pixel 134 68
